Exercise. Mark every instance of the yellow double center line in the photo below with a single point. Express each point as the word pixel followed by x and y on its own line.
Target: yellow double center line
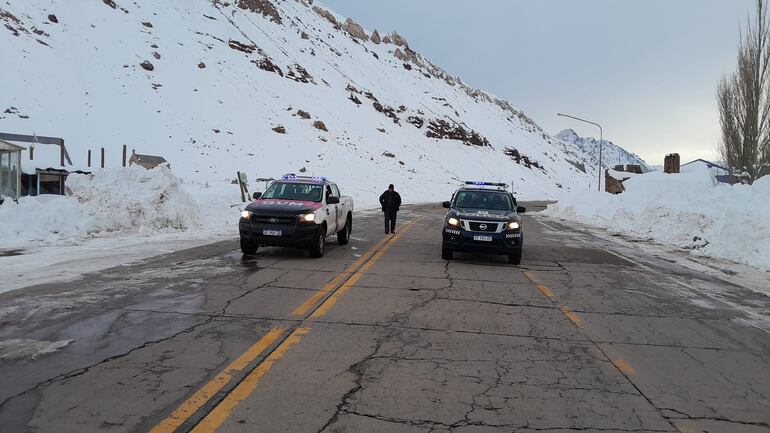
pixel 338 286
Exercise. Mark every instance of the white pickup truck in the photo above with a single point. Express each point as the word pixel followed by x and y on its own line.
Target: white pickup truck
pixel 296 211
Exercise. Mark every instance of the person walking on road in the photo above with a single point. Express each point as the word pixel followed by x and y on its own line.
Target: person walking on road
pixel 391 202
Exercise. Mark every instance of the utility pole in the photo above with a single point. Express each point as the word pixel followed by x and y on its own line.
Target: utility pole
pixel 601 139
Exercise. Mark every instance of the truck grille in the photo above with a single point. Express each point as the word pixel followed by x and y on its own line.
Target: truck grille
pixel 482 226
pixel 275 220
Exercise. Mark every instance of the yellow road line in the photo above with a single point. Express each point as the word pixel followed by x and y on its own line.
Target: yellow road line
pixel 204 394
pixel 571 315
pixel 331 300
pixel 546 291
pixel 222 411
pixel 530 276
pixel 311 301
pixel 623 366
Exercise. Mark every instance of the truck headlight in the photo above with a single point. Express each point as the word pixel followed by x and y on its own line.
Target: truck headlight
pixel 513 225
pixel 454 222
pixel 306 217
pixel 246 214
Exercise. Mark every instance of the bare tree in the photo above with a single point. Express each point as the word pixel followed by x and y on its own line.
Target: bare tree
pixel 744 102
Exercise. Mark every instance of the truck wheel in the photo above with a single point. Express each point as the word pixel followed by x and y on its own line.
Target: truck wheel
pixel 447 254
pixel 248 247
pixel 319 243
pixel 515 258
pixel 343 236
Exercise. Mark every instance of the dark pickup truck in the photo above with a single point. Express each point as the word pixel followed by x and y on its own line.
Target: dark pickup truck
pixel 483 218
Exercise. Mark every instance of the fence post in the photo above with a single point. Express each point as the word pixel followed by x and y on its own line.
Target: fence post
pixel 124 155
pixel 89 158
pixel 102 157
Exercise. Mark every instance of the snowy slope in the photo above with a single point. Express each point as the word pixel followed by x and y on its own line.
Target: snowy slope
pixel 224 75
pixel 612 154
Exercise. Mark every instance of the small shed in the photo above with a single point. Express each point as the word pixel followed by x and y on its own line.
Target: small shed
pixel 10 170
pixel 147 161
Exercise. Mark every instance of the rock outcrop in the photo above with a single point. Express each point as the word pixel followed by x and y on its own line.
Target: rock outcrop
pixel 354 29
pixel 376 37
pixel 399 40
pixel 326 14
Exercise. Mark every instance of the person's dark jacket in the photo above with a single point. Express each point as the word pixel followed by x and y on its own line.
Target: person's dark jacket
pixel 390 200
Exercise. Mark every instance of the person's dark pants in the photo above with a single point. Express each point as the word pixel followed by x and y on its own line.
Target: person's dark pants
pixel 390 220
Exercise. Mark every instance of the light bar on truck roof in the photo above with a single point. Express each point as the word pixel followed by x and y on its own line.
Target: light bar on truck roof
pixel 480 183
pixel 292 176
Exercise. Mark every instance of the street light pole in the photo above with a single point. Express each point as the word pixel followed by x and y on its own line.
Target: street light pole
pixel 601 139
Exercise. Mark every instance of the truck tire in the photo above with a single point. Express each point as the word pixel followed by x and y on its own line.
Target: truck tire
pixel 515 258
pixel 343 236
pixel 318 247
pixel 248 247
pixel 447 254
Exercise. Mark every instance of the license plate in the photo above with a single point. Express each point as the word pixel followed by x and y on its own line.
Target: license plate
pixel 482 238
pixel 271 232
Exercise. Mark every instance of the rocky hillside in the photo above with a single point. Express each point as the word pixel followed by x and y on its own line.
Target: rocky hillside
pixel 266 87
pixel 612 154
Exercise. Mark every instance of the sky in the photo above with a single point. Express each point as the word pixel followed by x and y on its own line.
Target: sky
pixel 646 71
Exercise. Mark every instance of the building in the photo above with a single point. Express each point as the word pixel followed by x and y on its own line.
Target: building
pixel 716 172
pixel 10 171
pixel 147 161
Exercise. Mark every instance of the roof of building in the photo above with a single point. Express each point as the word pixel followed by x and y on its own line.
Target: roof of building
pixel 4 145
pixel 708 163
pixel 148 159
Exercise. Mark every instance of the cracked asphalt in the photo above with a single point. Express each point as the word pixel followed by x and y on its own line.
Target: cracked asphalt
pixel 383 335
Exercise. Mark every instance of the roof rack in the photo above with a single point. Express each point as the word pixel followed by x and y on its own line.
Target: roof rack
pixel 292 176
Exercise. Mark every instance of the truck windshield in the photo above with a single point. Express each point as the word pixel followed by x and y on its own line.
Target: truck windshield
pixel 489 200
pixel 294 191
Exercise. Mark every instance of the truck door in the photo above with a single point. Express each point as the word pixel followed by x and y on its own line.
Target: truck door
pixel 341 216
pixel 331 212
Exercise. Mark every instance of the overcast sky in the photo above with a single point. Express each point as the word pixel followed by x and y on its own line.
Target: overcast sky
pixel 645 69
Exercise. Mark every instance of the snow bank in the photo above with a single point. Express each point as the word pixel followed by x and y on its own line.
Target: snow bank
pixel 683 210
pixel 122 200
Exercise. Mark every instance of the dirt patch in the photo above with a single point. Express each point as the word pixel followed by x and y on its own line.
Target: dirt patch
pixel 416 121
pixel 579 165
pixel 319 125
pixel 10 253
pixel 520 159
pixel 112 4
pixel 240 46
pixel 442 129
pixel 299 74
pixel 263 7
pixel 266 64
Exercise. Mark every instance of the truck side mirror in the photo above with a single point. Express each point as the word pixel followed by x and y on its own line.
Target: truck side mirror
pixel 257 195
pixel 332 200
pixel 520 209
pixel 446 204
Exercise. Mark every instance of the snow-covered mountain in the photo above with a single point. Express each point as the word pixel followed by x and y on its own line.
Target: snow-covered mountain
pixel 612 154
pixel 266 87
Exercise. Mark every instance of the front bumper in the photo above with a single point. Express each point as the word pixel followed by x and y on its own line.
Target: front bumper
pixel 502 243
pixel 297 235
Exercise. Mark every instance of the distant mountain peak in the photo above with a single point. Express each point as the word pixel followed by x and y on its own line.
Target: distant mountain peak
pixel 612 154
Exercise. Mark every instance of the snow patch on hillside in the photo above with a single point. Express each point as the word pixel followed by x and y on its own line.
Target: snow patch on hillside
pixel 683 210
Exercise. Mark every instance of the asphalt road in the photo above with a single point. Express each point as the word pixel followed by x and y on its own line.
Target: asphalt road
pixel 383 335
